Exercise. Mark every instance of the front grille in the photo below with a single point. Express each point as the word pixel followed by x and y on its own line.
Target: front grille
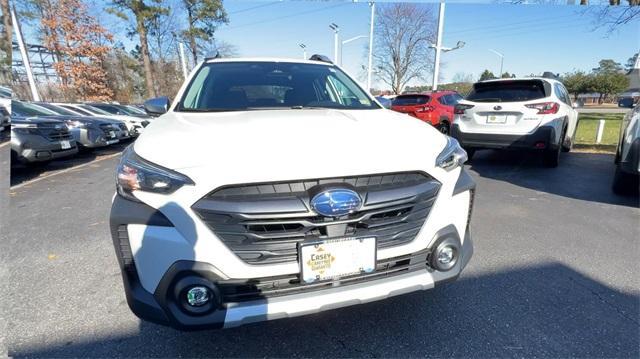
pixel 55 131
pixel 124 248
pixel 264 223
pixel 107 129
pixel 260 288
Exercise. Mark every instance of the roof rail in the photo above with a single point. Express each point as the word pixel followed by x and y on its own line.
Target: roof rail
pixel 321 58
pixel 213 56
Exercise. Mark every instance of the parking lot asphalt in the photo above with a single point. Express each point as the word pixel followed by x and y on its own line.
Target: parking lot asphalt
pixel 555 274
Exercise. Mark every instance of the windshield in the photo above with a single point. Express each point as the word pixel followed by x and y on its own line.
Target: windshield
pixel 410 100
pixel 94 110
pixel 507 91
pixel 239 86
pixel 57 109
pixel 26 109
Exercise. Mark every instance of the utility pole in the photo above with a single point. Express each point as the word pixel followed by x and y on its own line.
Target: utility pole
pixel 370 68
pixel 183 60
pixel 25 56
pixel 501 61
pixel 436 67
pixel 336 42
pixel 439 48
pixel 304 51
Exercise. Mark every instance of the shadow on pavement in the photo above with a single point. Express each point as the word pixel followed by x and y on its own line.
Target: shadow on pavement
pixel 547 311
pixel 22 173
pixel 583 176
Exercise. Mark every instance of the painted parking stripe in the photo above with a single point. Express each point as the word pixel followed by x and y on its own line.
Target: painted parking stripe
pixel 71 169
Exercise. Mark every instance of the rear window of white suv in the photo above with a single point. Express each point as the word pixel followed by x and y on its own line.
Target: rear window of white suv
pixel 508 91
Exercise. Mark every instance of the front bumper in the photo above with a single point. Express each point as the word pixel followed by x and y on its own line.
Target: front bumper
pixel 542 138
pixel 35 148
pixel 143 236
pixel 94 137
pixel 162 306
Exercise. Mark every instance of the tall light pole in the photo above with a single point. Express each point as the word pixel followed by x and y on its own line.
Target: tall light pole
pixel 25 56
pixel 346 42
pixel 370 67
pixel 336 41
pixel 183 60
pixel 501 61
pixel 304 51
pixel 439 48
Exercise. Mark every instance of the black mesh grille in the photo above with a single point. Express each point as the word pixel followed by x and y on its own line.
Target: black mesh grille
pixel 260 288
pixel 264 223
pixel 124 248
pixel 55 131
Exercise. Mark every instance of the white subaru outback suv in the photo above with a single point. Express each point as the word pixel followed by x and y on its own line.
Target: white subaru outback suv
pixel 276 188
pixel 532 114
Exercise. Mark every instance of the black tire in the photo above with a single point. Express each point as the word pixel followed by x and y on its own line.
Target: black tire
pixel 624 183
pixel 470 153
pixel 444 127
pixel 567 144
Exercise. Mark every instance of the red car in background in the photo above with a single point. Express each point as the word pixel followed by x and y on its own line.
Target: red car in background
pixel 435 108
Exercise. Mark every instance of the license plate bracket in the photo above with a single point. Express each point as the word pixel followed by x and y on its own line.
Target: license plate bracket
pixel 335 258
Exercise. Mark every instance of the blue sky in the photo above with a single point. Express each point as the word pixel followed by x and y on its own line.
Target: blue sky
pixel 533 38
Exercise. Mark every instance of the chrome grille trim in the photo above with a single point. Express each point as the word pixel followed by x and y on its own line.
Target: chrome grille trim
pixel 266 228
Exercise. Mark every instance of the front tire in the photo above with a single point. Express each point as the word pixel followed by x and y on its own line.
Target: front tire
pixel 444 127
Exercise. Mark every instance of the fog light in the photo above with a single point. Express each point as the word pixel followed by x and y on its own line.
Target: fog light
pixel 446 256
pixel 198 296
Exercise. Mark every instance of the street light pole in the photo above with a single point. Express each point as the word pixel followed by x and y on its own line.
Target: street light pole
pixel 304 51
pixel 370 68
pixel 336 42
pixel 346 42
pixel 438 47
pixel 183 60
pixel 501 61
pixel 25 56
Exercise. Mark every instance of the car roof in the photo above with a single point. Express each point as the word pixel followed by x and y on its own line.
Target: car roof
pixel 522 79
pixel 267 59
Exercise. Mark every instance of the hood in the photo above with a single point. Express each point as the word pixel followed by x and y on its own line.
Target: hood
pixel 35 120
pixel 285 144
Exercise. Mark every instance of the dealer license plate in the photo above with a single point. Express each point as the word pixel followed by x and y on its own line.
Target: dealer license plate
pixel 65 145
pixel 335 258
pixel 497 119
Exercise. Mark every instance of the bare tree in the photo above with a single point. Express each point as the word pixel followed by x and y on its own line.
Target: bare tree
pixel 403 34
pixel 5 43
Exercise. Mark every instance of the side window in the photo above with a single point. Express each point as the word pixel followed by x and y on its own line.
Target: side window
pixel 345 95
pixel 444 99
pixel 562 95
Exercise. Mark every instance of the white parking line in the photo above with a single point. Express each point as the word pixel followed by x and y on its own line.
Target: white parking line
pixel 5 144
pixel 64 171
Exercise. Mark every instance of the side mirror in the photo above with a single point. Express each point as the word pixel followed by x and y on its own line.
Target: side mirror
pixel 157 106
pixel 576 104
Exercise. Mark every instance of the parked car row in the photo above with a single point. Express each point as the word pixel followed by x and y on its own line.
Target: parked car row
pixel 42 131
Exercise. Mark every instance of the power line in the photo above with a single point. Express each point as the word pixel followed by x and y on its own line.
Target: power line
pixel 285 16
pixel 538 20
pixel 254 7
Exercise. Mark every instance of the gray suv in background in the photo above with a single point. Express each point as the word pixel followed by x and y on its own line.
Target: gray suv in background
pixel 88 132
pixel 40 140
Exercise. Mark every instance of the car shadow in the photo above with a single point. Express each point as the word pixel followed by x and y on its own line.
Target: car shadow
pixel 22 173
pixel 548 310
pixel 580 175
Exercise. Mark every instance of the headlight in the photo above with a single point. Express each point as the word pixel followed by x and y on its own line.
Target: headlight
pixel 75 124
pixel 26 128
pixel 452 156
pixel 137 174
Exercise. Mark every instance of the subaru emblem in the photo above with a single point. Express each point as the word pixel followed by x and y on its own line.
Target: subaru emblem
pixel 497 108
pixel 336 202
